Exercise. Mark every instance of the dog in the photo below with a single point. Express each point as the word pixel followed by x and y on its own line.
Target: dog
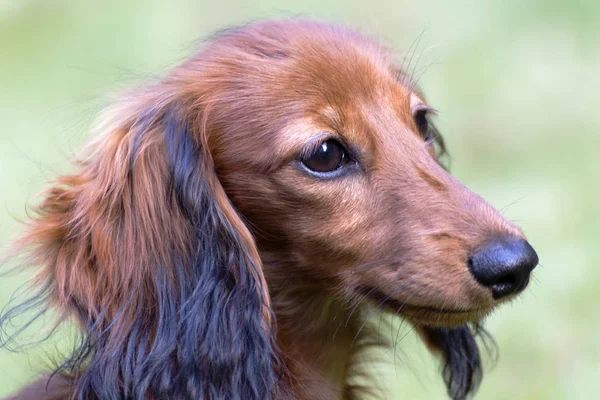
pixel 225 229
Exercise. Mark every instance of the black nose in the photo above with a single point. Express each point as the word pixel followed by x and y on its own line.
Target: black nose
pixel 503 265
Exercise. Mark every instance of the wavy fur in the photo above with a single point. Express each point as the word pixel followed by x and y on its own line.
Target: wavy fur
pixel 202 260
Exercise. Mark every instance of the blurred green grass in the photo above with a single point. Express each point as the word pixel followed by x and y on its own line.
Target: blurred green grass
pixel 517 87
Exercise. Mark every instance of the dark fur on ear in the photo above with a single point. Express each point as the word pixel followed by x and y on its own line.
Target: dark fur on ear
pixel 462 369
pixel 227 337
pixel 142 246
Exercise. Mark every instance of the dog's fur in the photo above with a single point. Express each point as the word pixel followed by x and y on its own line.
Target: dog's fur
pixel 202 260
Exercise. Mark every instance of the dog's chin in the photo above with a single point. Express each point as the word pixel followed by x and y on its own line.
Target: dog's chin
pixel 425 315
pixel 443 318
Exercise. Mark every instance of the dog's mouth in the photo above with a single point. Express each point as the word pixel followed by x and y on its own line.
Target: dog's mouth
pixel 423 315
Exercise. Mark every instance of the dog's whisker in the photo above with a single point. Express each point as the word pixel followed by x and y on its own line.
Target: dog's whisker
pixel 410 54
pixel 414 69
pixel 415 82
pixel 378 304
pixel 506 207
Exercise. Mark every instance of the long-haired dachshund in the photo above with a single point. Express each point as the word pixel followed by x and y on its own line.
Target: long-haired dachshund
pixel 225 228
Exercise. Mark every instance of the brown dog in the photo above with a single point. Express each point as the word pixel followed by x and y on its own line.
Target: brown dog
pixel 221 234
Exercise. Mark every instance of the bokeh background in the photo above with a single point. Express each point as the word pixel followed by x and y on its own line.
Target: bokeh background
pixel 517 84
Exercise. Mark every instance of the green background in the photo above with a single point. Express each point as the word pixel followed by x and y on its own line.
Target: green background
pixel 517 84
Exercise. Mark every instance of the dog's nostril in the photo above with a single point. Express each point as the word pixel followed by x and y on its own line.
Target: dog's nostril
pixel 503 265
pixel 506 284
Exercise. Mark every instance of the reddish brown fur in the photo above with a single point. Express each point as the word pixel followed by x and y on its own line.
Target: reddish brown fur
pixel 255 97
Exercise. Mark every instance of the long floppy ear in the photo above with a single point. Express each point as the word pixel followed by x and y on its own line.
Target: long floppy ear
pixel 461 370
pixel 143 247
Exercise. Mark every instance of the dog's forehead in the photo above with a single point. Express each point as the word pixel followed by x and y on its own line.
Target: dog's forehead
pixel 358 99
pixel 308 79
pixel 339 79
pixel 337 60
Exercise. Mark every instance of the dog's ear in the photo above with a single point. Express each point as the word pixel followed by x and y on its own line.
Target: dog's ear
pixel 144 248
pixel 462 364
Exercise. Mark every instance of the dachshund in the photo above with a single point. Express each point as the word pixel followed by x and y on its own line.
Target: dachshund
pixel 224 232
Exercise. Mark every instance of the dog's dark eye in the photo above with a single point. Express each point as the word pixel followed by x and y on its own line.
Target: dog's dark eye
pixel 422 124
pixel 329 156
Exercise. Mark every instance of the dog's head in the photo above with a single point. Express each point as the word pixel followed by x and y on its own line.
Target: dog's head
pixel 292 138
pixel 327 148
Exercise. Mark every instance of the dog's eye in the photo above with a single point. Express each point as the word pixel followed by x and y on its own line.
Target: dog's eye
pixel 422 124
pixel 329 156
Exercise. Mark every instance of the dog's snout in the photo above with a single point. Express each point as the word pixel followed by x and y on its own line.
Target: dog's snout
pixel 503 265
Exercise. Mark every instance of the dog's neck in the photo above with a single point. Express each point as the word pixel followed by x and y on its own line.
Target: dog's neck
pixel 316 334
